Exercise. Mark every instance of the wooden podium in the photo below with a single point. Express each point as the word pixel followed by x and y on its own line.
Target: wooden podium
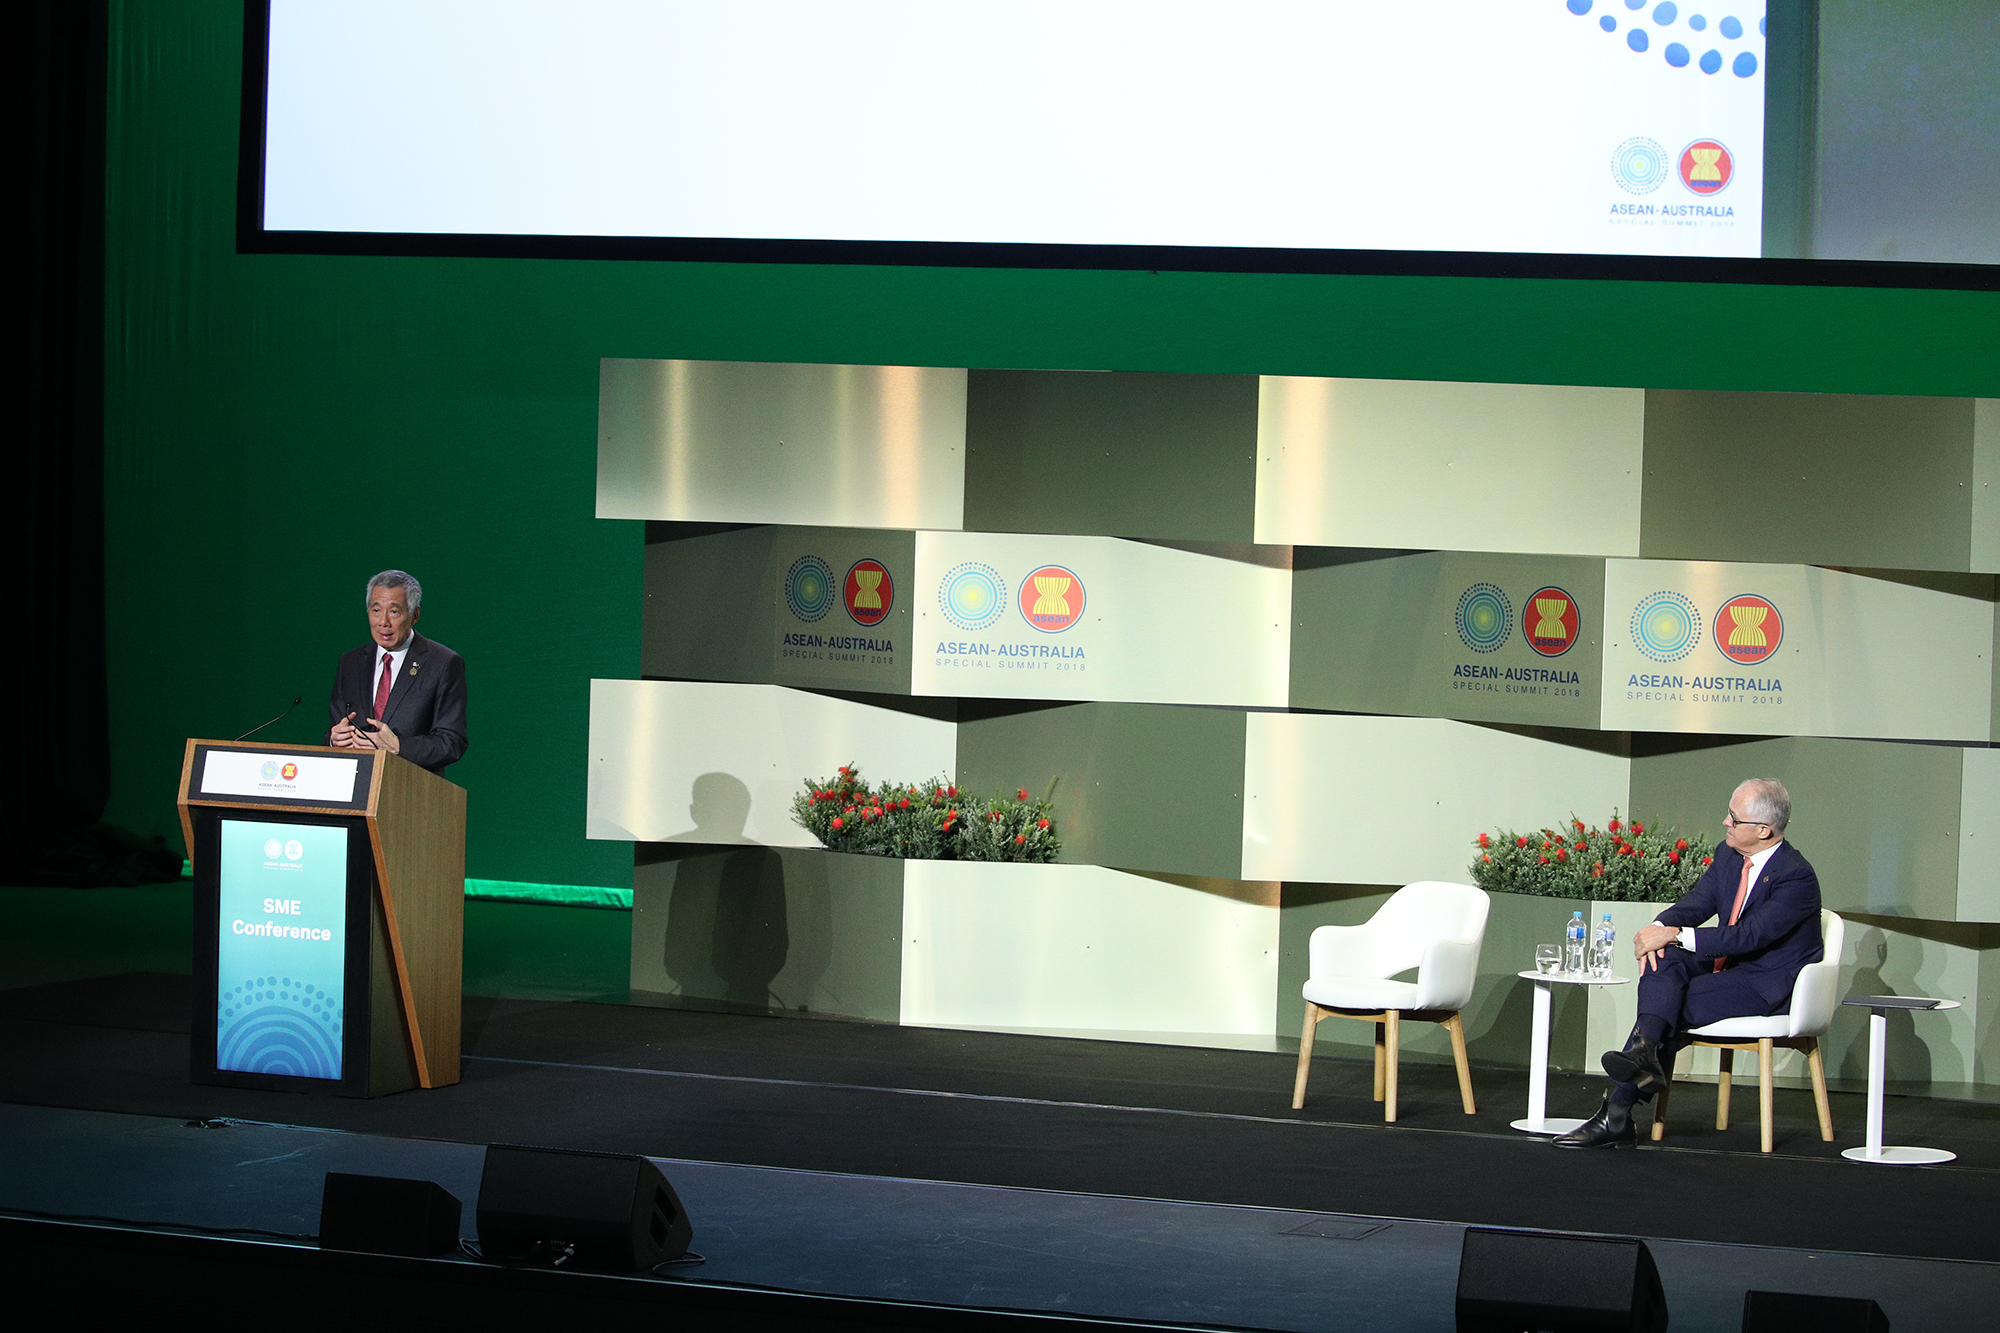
pixel 329 918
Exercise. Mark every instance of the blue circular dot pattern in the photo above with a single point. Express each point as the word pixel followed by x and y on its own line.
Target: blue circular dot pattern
pixel 1608 23
pixel 1677 55
pixel 1665 13
pixel 1636 39
pixel 1731 28
pixel 1711 61
pixel 1745 66
pixel 1697 22
pixel 1579 6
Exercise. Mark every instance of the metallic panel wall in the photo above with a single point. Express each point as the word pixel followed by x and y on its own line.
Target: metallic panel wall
pixel 1088 951
pixel 1822 479
pixel 1985 486
pixel 1139 786
pixel 1117 453
pixel 1389 800
pixel 769 442
pixel 689 761
pixel 1552 469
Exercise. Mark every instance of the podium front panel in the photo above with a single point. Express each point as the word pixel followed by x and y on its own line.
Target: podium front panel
pixel 288 948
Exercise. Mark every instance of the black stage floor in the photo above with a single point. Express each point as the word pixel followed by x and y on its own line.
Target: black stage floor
pixel 1083 1117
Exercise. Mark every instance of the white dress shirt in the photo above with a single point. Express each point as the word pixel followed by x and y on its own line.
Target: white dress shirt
pixel 1686 941
pixel 395 657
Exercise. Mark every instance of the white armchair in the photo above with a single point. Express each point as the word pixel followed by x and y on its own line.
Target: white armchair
pixel 1431 926
pixel 1815 995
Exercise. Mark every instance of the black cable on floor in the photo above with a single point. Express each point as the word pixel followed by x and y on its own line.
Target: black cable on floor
pixel 193 1227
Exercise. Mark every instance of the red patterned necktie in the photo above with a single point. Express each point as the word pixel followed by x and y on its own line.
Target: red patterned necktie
pixel 388 668
pixel 1736 912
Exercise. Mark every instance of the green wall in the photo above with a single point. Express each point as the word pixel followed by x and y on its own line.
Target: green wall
pixel 279 427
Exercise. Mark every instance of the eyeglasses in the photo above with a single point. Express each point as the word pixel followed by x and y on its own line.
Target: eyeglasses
pixel 1730 820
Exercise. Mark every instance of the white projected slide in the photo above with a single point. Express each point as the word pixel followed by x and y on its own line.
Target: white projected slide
pixel 1557 126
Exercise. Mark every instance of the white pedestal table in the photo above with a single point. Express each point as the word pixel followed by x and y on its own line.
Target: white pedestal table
pixel 1538 1121
pixel 1878 1007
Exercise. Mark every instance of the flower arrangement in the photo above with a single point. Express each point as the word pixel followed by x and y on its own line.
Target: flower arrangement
pixel 1625 861
pixel 929 821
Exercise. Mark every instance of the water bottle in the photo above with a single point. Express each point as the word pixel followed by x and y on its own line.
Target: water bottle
pixel 1601 941
pixel 1573 939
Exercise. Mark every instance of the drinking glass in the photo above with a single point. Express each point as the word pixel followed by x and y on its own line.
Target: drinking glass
pixel 1548 959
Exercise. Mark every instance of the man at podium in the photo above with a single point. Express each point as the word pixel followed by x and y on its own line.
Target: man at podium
pixel 401 692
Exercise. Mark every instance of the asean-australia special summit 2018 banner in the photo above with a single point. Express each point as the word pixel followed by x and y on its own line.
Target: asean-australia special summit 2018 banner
pixel 1002 615
pixel 1792 650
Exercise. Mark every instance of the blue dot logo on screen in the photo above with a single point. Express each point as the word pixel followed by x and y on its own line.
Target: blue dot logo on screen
pixel 1665 626
pixel 809 590
pixel 285 1030
pixel 1484 618
pixel 972 595
pixel 1639 165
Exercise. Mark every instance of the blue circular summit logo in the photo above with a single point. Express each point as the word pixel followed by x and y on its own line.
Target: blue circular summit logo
pixel 1640 166
pixel 972 596
pixel 1484 618
pixel 1665 626
pixel 809 590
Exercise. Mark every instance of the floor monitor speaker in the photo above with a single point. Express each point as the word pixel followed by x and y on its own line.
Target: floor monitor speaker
pixel 612 1212
pixel 387 1215
pixel 1786 1312
pixel 1516 1281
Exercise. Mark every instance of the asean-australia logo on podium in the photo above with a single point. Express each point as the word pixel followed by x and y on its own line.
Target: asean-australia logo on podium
pixel 1549 621
pixel 1484 618
pixel 1748 629
pixel 868 592
pixel 1706 167
pixel 1052 599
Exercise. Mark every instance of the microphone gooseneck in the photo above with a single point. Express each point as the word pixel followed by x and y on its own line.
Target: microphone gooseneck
pixel 279 718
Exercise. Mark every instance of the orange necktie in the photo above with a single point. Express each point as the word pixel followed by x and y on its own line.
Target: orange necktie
pixel 1742 892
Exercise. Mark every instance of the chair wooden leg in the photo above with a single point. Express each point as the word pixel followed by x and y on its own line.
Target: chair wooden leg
pixel 1305 1054
pixel 1456 1027
pixel 1380 1062
pixel 1728 1065
pixel 1817 1063
pixel 1391 1042
pixel 1764 1091
pixel 1660 1113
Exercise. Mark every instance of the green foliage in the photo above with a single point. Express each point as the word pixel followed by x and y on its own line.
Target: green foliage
pixel 1622 862
pixel 929 821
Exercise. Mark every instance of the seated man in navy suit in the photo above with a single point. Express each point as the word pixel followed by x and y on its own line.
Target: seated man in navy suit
pixel 1764 899
pixel 402 693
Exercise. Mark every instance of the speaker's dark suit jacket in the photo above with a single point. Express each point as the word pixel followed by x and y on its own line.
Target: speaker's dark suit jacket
pixel 1779 931
pixel 426 704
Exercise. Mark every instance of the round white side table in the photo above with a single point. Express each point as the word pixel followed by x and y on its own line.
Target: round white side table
pixel 1538 1120
pixel 1878 1007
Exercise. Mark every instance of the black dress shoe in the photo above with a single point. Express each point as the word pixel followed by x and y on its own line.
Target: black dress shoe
pixel 1638 1064
pixel 1611 1127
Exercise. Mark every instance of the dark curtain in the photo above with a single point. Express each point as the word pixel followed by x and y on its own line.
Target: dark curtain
pixel 56 728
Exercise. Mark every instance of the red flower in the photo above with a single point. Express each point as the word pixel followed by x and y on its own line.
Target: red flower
pixel 1041 823
pixel 1706 860
pixel 845 770
pixel 1597 873
pixel 1520 842
pixel 1680 844
pixel 1562 854
pixel 1545 860
pixel 836 821
pixel 1614 826
pixel 1484 857
pixel 1579 825
pixel 1020 837
pixel 1583 847
pixel 951 814
pixel 1673 858
pixel 1484 841
pixel 951 791
pixel 1023 793
pixel 1637 827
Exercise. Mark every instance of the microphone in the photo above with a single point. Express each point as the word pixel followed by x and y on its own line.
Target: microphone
pixel 279 718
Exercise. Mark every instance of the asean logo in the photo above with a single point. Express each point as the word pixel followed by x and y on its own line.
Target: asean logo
pixel 273 849
pixel 1051 599
pixel 809 588
pixel 1706 167
pixel 868 592
pixel 1484 618
pixel 269 770
pixel 288 772
pixel 1665 626
pixel 1549 621
pixel 1639 166
pixel 972 596
pixel 1748 629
